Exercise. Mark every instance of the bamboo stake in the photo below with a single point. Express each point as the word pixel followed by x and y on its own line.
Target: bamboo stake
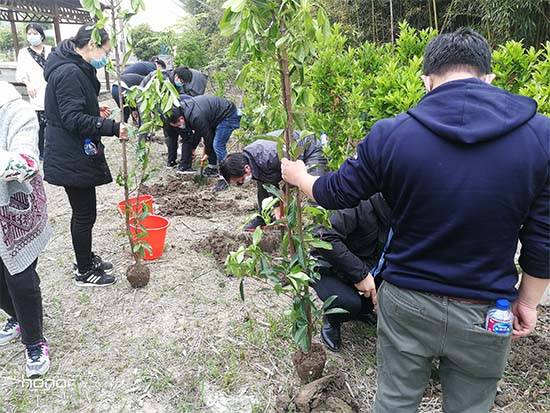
pixel 391 22
pixel 435 15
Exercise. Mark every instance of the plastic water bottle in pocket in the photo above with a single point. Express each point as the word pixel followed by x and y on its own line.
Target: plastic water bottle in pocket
pixel 500 319
pixel 89 147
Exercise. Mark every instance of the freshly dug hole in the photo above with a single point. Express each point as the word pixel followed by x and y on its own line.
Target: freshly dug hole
pixel 138 275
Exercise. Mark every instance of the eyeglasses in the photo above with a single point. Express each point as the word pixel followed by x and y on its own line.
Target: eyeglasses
pixel 107 52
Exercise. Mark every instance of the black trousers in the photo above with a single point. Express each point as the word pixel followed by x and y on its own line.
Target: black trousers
pixel 41 115
pixel 346 294
pixel 127 110
pixel 83 205
pixel 20 298
pixel 189 142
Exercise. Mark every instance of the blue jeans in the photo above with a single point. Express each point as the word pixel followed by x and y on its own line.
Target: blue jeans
pixel 223 133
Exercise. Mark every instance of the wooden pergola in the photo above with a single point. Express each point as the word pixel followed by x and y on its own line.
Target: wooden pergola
pixel 42 11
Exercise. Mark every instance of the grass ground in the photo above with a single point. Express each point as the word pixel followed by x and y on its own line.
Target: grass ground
pixel 186 342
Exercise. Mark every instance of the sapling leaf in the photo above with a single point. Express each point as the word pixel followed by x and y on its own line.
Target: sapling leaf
pixel 273 190
pixel 320 244
pixel 147 247
pixel 335 311
pixel 328 302
pixel 257 236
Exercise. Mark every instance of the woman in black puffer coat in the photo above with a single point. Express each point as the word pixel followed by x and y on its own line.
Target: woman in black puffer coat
pixel 74 115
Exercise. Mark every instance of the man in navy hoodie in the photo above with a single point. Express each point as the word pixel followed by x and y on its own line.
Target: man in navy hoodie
pixel 466 174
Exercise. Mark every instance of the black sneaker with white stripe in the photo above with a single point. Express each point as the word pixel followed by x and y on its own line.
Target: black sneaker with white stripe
pixel 96 277
pixel 97 262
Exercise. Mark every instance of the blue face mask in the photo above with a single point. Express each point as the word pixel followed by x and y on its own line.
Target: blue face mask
pixel 34 39
pixel 99 63
pixel 178 84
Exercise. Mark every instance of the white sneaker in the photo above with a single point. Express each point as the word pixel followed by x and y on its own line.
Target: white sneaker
pixel 10 332
pixel 38 359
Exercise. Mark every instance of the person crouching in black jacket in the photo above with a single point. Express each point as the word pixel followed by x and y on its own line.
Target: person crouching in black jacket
pixel 211 118
pixel 260 162
pixel 358 236
pixel 74 156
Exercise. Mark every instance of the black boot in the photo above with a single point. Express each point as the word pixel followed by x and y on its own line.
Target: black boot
pixel 330 334
pixel 369 318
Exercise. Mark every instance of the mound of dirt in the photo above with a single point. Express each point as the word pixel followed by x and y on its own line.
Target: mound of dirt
pixel 220 243
pixel 198 204
pixel 327 394
pixel 170 186
pixel 183 197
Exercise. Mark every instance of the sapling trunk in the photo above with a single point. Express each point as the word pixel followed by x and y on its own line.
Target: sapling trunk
pixel 288 134
pixel 136 256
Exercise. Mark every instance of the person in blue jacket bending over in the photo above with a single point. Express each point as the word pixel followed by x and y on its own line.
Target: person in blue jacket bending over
pixel 466 175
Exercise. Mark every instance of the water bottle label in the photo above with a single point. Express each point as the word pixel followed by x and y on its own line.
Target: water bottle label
pixel 503 328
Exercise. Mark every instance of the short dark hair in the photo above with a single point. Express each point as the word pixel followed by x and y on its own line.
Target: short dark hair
pixel 157 60
pixel 36 27
pixel 84 35
pixel 233 166
pixel 172 116
pixel 184 74
pixel 463 49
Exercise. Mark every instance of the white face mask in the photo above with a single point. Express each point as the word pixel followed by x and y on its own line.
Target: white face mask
pixel 34 39
pixel 247 179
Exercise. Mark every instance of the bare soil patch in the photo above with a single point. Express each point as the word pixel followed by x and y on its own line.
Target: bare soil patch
pixel 177 196
pixel 220 243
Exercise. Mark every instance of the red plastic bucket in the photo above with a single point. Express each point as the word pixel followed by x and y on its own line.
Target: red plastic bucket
pixel 156 227
pixel 137 204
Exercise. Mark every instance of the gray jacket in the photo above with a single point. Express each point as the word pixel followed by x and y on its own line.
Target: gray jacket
pixel 197 86
pixel 265 164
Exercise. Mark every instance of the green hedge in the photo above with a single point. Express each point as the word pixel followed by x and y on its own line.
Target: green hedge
pixel 350 88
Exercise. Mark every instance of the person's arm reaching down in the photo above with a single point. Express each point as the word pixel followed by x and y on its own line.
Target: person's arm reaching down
pixel 534 261
pixel 525 307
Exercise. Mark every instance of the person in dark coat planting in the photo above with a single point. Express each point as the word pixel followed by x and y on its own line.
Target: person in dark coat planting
pixel 74 155
pixel 133 75
pixel 260 162
pixel 466 173
pixel 358 236
pixel 128 80
pixel 213 119
pixel 189 83
pixel 143 68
